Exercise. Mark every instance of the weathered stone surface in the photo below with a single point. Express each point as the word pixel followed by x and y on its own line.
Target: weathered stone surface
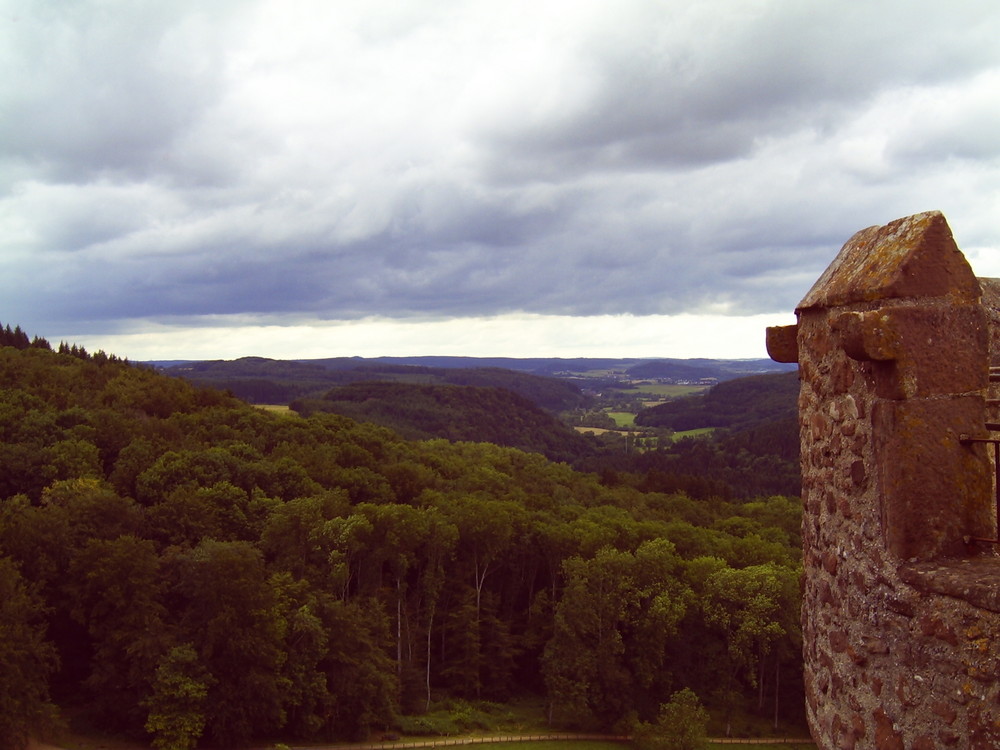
pixel 782 343
pixel 901 618
pixel 911 257
pixel 926 512
pixel 975 580
pixel 886 736
pixel 935 349
pixel 991 305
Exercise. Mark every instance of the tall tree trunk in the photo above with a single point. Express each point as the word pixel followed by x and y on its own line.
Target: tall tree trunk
pixel 777 673
pixel 427 667
pixel 480 574
pixel 760 679
pixel 399 630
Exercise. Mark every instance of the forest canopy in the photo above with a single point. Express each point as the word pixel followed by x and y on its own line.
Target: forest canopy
pixel 191 567
pixel 456 413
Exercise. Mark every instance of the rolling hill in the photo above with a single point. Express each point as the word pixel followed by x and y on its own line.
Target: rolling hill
pixel 454 412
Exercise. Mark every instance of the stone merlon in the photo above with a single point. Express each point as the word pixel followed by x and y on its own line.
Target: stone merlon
pixel 894 343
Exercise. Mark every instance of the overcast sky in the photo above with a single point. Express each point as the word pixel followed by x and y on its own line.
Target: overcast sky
pixel 311 178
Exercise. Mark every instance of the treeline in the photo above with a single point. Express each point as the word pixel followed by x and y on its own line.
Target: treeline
pixel 18 339
pixel 175 564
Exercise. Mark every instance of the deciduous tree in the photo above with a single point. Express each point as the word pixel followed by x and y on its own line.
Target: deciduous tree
pixel 26 660
pixel 176 704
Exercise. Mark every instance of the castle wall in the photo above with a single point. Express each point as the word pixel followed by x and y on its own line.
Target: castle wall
pixel 901 616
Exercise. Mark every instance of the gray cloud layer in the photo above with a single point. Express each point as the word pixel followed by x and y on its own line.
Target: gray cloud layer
pixel 336 160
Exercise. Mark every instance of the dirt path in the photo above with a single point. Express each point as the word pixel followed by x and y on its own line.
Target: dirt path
pixel 32 745
pixel 493 739
pixel 457 741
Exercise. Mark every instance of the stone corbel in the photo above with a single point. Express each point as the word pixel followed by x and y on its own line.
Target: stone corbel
pixel 868 336
pixel 874 337
pixel 919 351
pixel 783 343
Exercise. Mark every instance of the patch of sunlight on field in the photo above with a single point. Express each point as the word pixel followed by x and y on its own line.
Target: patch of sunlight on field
pixel 763 745
pixel 700 432
pixel 598 430
pixel 557 745
pixel 274 408
pixel 667 390
pixel 623 418
pixel 607 745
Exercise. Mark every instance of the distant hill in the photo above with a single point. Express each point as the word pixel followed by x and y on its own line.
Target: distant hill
pixel 454 412
pixel 554 383
pixel 736 404
pixel 722 369
pixel 755 451
pixel 260 380
pixel 698 369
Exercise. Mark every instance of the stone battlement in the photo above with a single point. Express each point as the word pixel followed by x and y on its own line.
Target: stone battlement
pixel 901 607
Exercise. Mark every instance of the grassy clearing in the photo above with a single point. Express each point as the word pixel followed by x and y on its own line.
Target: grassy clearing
pixel 80 743
pixel 558 745
pixel 700 432
pixel 623 418
pixel 452 724
pixel 275 408
pixel 666 390
pixel 606 373
pixel 597 430
pixel 607 745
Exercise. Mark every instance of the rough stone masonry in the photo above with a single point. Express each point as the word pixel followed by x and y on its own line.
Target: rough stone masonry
pixel 901 598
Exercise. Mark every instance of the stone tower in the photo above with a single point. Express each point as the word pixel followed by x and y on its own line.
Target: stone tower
pixel 901 599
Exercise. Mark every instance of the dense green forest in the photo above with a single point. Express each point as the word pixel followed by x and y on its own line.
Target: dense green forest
pixel 176 565
pixel 271 381
pixel 454 412
pixel 735 404
pixel 754 450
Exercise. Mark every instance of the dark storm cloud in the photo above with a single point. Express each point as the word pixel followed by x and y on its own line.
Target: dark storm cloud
pixel 341 160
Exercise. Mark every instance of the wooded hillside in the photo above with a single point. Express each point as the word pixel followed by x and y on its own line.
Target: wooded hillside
pixel 735 404
pixel 271 381
pixel 453 412
pixel 177 564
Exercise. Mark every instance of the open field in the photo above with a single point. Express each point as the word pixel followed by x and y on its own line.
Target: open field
pixel 700 432
pixel 478 742
pixel 598 373
pixel 597 430
pixel 666 390
pixel 519 725
pixel 623 418
pixel 750 744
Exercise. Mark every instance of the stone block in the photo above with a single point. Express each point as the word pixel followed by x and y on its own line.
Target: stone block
pixel 919 351
pixel 915 256
pixel 934 489
pixel 886 735
pixel 782 343
pixel 901 630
